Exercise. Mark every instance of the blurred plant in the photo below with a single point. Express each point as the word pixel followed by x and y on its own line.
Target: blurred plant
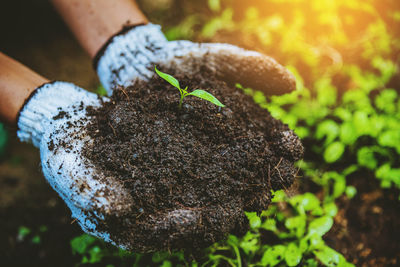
pixel 298 222
pixel 3 139
pixel 25 233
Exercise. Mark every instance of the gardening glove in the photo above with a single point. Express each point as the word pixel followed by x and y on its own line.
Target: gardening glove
pixel 132 54
pixel 54 119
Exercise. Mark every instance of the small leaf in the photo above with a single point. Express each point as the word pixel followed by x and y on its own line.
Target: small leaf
pixel 297 224
pixel 331 209
pixel 206 96
pixel 389 138
pixel 348 133
pixel 81 243
pixel 158 257
pixel 272 256
pixel 328 129
pixel 366 158
pixel 351 191
pixel 254 220
pixel 333 152
pixel 293 255
pixel 166 263
pixel 36 239
pixel 3 139
pixel 321 225
pixel 23 232
pixel 174 82
pixel 328 256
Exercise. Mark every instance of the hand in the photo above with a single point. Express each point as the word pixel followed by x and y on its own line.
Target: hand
pixel 134 53
pixel 54 119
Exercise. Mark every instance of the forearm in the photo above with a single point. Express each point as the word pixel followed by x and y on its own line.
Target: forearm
pixel 94 21
pixel 16 84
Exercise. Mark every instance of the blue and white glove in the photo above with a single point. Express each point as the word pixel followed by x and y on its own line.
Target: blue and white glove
pixel 54 119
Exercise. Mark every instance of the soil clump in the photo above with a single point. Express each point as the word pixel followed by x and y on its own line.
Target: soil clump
pixel 194 171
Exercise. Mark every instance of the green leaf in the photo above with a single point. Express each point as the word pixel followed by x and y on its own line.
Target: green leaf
pixel 316 241
pixel 95 254
pixel 333 152
pixel 3 138
pixel 279 196
pixel 348 133
pixel 159 256
pixel 272 256
pixel 306 202
pixel 249 243
pixel 297 224
pixel 320 225
pixel 386 101
pixel 351 191
pixel 81 243
pixel 330 257
pixel 328 129
pixel 36 239
pixel 311 263
pixel 214 5
pixel 101 91
pixel 174 82
pixel 23 232
pixel 206 96
pixel 390 138
pixel 330 209
pixel 292 255
pixel 166 263
pixel 339 185
pixel 366 158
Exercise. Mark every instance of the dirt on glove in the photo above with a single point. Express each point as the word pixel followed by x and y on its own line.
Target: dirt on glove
pixel 194 171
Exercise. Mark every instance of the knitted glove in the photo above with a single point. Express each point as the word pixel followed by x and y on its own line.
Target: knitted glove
pixel 133 54
pixel 54 119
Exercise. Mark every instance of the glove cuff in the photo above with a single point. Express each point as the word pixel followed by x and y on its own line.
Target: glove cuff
pixel 128 55
pixel 48 102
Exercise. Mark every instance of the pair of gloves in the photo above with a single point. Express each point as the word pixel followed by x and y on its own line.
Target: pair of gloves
pixel 54 118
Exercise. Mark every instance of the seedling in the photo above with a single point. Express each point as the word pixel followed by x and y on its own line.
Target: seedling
pixel 184 93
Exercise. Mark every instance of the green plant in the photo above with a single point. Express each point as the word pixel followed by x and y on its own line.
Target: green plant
pixel 298 222
pixel 183 92
pixel 3 139
pixel 25 233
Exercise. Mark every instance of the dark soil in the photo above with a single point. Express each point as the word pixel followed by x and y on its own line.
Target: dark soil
pixel 367 227
pixel 192 172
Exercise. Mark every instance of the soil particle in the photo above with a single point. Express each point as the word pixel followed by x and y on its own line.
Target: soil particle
pixel 192 172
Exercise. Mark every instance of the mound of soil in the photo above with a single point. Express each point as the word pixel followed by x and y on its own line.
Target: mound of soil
pixel 192 172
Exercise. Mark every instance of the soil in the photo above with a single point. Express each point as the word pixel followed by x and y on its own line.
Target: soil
pixel 192 172
pixel 367 228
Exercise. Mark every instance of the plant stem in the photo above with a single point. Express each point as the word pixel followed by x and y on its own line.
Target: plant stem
pixel 180 101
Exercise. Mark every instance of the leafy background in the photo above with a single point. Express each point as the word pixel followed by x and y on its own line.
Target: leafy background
pixel 346 109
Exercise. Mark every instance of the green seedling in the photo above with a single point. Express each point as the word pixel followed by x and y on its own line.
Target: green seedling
pixel 198 93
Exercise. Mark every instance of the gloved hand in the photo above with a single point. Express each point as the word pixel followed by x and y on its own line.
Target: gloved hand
pixel 54 119
pixel 133 53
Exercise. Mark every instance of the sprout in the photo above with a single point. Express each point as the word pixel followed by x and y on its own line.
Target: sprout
pixel 198 93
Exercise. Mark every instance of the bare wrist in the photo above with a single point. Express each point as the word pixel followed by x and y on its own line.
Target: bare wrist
pixel 94 22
